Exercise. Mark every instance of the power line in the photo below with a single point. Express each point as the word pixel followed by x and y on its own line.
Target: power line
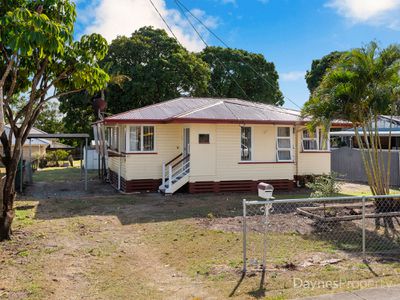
pixel 165 22
pixel 181 5
pixel 206 44
pixel 170 30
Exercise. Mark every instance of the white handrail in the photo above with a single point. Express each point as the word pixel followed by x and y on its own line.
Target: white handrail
pixel 163 174
pixel 183 168
pixel 170 176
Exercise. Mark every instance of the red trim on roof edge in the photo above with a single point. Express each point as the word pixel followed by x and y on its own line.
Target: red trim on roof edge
pixel 202 121
pixel 213 121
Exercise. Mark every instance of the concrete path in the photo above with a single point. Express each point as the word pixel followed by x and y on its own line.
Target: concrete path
pixel 384 293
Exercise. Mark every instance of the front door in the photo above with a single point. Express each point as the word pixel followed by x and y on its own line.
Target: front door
pixel 186 142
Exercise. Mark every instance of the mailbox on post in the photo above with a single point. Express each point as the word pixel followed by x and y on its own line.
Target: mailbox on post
pixel 265 190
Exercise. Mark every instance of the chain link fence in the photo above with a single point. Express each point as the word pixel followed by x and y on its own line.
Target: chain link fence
pixel 277 231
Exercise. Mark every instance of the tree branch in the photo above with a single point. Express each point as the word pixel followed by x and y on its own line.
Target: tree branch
pixel 33 96
pixel 63 94
pixel 6 72
pixel 63 75
pixel 13 83
pixel 5 54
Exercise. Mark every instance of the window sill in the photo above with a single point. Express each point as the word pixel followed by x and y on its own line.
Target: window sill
pixel 315 151
pixel 264 162
pixel 140 153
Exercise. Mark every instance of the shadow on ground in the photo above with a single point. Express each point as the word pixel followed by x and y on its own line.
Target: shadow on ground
pixel 66 199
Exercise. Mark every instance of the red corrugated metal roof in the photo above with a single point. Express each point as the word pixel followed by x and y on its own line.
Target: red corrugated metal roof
pixel 208 110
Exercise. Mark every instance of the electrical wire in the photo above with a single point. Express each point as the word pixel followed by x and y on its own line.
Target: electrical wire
pixel 182 6
pixel 165 22
pixel 217 59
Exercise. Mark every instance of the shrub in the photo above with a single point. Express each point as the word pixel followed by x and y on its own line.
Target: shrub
pixel 326 185
pixel 53 157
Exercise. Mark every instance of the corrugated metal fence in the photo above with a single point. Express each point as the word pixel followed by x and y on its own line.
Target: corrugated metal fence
pixel 348 162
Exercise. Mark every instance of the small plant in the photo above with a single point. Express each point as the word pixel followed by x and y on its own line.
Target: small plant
pixel 325 185
pixel 210 216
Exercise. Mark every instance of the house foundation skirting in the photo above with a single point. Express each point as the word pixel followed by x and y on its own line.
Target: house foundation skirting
pixel 151 185
pixel 138 185
pixel 237 186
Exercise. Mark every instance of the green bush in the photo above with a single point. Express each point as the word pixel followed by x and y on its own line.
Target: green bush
pixel 326 185
pixel 53 157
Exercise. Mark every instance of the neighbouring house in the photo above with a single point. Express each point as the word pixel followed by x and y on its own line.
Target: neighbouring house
pixel 346 157
pixel 388 126
pixel 35 147
pixel 212 145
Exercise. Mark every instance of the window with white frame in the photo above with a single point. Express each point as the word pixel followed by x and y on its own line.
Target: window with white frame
pixel 284 144
pixel 140 139
pixel 314 141
pixel 245 143
pixel 112 137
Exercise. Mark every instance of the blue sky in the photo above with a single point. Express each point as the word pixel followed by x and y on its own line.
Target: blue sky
pixel 290 33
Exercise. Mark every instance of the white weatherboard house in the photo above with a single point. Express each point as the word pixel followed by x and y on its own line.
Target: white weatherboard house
pixel 212 145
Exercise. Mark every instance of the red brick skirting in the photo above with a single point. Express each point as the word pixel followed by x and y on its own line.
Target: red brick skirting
pixel 151 185
pixel 140 185
pixel 237 186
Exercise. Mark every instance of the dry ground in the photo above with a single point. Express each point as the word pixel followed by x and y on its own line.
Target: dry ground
pixel 69 244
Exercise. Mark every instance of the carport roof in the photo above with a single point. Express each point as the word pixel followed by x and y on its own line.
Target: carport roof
pixel 209 110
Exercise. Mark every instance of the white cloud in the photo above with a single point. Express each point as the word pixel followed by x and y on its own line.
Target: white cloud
pixel 112 18
pixel 292 75
pixel 376 12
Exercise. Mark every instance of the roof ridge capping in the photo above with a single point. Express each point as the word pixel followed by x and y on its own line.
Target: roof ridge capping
pixel 198 108
pixel 262 105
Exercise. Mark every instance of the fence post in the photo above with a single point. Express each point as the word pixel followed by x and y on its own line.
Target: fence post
pixel 363 227
pixel 264 258
pixel 244 237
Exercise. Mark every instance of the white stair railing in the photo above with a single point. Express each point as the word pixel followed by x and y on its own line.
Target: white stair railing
pixel 163 174
pixel 172 174
pixel 169 176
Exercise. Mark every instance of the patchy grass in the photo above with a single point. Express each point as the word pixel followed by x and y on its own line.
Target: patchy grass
pixel 146 246
pixel 54 174
pixel 216 257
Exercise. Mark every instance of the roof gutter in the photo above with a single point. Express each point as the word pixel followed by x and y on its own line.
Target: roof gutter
pixel 211 121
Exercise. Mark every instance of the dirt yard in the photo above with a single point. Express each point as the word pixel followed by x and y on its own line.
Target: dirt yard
pixel 71 244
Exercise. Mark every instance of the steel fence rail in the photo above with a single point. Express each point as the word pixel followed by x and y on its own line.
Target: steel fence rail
pixel 327 199
pixel 356 224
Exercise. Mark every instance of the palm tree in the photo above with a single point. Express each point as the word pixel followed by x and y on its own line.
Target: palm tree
pixel 364 84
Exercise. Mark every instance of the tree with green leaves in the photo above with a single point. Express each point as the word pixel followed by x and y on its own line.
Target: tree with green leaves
pixel 146 68
pixel 39 59
pixel 240 74
pixel 50 119
pixel 78 112
pixel 319 68
pixel 158 66
pixel 362 85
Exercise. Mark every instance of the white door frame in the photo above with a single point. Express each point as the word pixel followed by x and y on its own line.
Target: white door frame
pixel 186 141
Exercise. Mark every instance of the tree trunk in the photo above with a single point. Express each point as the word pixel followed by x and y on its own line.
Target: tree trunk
pixel 9 195
pixel 8 213
pixel 2 122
